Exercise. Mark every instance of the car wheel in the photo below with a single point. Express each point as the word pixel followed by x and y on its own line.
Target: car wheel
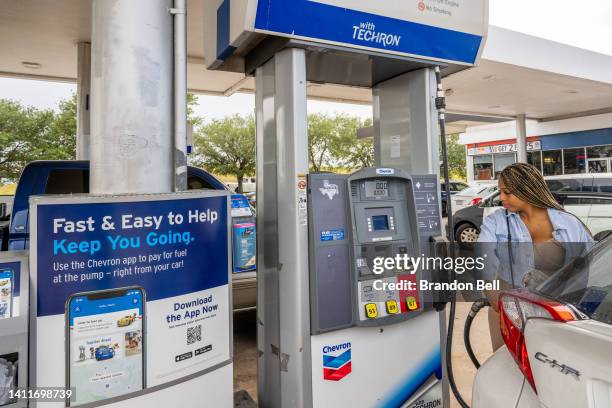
pixel 467 235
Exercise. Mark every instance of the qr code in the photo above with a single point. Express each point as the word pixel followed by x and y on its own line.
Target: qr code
pixel 194 334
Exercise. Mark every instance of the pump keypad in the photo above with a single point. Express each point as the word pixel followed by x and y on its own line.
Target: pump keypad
pixel 371 311
pixel 392 307
pixel 411 303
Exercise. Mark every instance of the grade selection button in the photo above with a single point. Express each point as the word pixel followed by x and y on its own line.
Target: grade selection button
pixel 392 307
pixel 371 310
pixel 411 303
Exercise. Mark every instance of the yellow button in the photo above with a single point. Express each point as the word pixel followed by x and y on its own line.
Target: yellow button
pixel 392 307
pixel 371 311
pixel 411 303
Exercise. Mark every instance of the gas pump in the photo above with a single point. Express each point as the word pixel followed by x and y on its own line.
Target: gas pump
pixel 372 329
pixel 326 336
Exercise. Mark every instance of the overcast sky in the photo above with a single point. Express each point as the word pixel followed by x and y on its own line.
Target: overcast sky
pixel 581 23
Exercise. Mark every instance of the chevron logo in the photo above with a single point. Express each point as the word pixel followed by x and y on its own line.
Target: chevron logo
pixel 336 362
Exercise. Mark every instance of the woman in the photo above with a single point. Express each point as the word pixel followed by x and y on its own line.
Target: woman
pixel 529 239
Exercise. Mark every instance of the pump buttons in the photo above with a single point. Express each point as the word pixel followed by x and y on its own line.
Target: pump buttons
pixel 392 307
pixel 411 303
pixel 371 310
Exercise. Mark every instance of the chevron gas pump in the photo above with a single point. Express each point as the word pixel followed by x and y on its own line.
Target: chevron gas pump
pixel 372 329
pixel 332 331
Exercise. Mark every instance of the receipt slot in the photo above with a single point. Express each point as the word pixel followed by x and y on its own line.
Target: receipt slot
pixel 371 326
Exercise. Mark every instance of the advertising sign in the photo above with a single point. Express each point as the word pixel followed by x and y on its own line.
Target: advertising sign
pixel 129 292
pixel 503 148
pixel 449 30
pixel 9 289
pixel 13 327
pixel 245 247
pixel 240 206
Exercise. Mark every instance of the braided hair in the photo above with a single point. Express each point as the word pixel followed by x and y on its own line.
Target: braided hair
pixel 526 182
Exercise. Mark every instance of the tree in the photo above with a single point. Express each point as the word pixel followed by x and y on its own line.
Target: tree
pixel 332 142
pixel 356 153
pixel 28 134
pixel 227 146
pixel 192 119
pixel 323 138
pixel 456 157
pixel 61 143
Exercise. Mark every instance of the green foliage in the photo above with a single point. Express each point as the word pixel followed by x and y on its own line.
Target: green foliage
pixel 332 142
pixel 192 119
pixel 61 143
pixel 28 134
pixel 357 153
pixel 456 158
pixel 226 146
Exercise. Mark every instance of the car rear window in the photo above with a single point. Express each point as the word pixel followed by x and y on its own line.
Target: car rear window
pixel 197 183
pixel 602 185
pixel 68 181
pixel 457 186
pixel 569 184
pixel 585 283
pixel 472 190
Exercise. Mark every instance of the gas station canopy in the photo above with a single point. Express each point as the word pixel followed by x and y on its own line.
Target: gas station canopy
pixel 518 73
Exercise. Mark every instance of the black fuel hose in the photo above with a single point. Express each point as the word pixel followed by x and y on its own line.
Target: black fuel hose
pixel 441 107
pixel 476 307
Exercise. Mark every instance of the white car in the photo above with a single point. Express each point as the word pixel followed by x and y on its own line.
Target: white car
pixel 248 185
pixel 472 195
pixel 585 183
pixel 558 341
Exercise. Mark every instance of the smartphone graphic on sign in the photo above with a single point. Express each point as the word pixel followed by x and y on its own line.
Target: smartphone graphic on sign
pixel 105 347
pixel 6 293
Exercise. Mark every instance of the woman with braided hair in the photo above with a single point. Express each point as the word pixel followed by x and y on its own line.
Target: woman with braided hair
pixel 529 239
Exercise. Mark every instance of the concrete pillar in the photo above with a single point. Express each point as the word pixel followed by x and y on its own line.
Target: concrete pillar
pixel 180 95
pixel 406 132
pixel 521 139
pixel 83 98
pixel 131 105
pixel 283 297
pixel 469 162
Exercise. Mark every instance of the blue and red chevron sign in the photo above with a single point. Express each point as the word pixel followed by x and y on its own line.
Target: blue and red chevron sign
pixel 336 361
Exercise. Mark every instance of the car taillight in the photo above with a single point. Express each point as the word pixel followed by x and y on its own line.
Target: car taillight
pixel 476 200
pixel 515 308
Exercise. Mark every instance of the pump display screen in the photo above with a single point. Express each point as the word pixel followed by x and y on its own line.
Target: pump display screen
pixel 380 222
pixel 376 189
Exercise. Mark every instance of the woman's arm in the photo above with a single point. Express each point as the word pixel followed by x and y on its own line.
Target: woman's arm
pixel 485 247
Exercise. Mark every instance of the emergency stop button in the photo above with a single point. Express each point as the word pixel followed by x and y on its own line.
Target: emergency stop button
pixel 392 307
pixel 371 311
pixel 411 303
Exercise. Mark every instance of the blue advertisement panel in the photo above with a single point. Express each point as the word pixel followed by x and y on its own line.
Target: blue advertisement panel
pixel 9 289
pixel 245 247
pixel 378 26
pixel 134 290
